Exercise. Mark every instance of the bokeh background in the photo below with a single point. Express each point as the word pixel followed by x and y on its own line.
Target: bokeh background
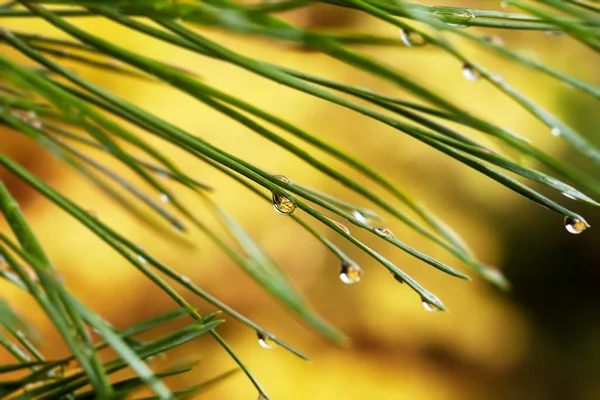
pixel 541 340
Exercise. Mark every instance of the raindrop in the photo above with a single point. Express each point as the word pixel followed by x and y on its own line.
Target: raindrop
pixel 569 196
pixel 282 204
pixel 164 198
pixel 411 38
pixel 185 279
pixel 555 131
pixel 339 225
pixel 470 72
pixel 162 174
pixel 428 306
pixel 494 39
pixel 496 78
pixel 265 341
pixel 575 226
pixel 455 19
pixel 385 231
pixel 359 216
pixel 350 273
pixel 398 278
pixel 142 259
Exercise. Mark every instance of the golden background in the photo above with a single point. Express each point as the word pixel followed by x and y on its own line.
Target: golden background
pixel 539 341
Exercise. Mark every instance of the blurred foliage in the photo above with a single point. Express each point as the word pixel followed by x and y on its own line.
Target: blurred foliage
pixel 537 341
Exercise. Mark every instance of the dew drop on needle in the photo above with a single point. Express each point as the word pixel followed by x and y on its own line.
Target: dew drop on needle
pixel 470 72
pixel 575 226
pixel 265 341
pixel 411 38
pixel 281 203
pixel 350 273
pixel 385 231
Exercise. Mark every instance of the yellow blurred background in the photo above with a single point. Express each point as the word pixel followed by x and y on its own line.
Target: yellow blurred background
pixel 539 341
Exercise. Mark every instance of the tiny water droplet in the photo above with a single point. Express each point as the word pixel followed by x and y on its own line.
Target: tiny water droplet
pixel 398 278
pixel 186 279
pixel 494 39
pixel 93 213
pixel 555 131
pixel 283 178
pixel 350 273
pixel 411 38
pixel 428 306
pixel 359 216
pixel 164 198
pixel 569 196
pixel 504 4
pixel 339 224
pixel 470 72
pixel 265 341
pixel 575 226
pixel 384 230
pixel 455 19
pixel 162 174
pixel 555 33
pixel 142 259
pixel 496 78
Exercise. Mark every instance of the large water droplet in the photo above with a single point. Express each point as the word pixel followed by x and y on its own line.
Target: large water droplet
pixel 412 38
pixel 350 273
pixel 555 131
pixel 470 72
pixel 494 39
pixel 385 231
pixel 282 204
pixel 265 341
pixel 574 225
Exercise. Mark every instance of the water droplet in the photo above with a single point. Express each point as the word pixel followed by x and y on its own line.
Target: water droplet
pixel 350 273
pixel 569 196
pixel 185 279
pixel 339 224
pixel 555 33
pixel 494 39
pixel 455 19
pixel 555 131
pixel 282 204
pixel 385 231
pixel 428 306
pixel 164 198
pixel 93 213
pixel 470 72
pixel 283 178
pixel 411 38
pixel 142 259
pixel 265 341
pixel 496 78
pixel 575 226
pixel 504 4
pixel 398 278
pixel 495 276
pixel 359 216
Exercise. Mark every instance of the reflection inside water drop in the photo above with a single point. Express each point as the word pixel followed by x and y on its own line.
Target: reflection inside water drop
pixel 428 306
pixel 575 226
pixel 350 273
pixel 555 131
pixel 164 198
